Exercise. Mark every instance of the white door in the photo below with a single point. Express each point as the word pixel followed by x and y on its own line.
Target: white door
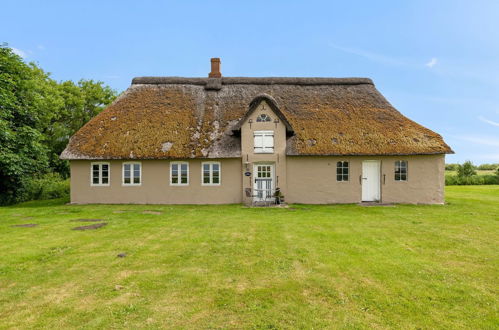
pixel 370 181
pixel 263 185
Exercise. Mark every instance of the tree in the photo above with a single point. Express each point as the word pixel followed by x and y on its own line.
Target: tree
pixel 22 152
pixel 37 117
pixel 467 169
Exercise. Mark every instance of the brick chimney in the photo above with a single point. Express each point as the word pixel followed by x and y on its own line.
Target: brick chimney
pixel 215 68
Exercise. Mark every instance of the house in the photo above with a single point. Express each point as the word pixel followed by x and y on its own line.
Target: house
pixel 213 140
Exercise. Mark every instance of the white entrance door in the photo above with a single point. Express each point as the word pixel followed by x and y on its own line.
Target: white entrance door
pixel 370 181
pixel 263 182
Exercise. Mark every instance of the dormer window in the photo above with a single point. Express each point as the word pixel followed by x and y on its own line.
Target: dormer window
pixel 263 118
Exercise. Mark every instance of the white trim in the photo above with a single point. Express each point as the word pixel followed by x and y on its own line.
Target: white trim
pixel 179 174
pixel 406 170
pixel 264 149
pixel 100 184
pixel 342 167
pixel 131 174
pixel 211 174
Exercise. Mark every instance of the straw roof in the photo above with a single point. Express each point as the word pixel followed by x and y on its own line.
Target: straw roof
pixel 174 117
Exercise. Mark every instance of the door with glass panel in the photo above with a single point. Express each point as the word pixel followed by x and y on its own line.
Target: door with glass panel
pixel 263 182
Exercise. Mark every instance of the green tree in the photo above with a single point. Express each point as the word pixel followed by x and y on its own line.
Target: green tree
pixel 37 117
pixel 22 151
pixel 467 169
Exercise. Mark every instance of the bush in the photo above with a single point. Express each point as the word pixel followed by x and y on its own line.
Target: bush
pixel 454 180
pixel 466 170
pixel 48 186
pixel 451 167
pixel 488 167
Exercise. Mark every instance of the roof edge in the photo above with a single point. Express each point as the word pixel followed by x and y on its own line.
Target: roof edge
pixel 251 81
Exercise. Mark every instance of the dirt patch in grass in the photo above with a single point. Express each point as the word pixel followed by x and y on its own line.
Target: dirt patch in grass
pixel 151 212
pixel 86 220
pixel 26 225
pixel 95 226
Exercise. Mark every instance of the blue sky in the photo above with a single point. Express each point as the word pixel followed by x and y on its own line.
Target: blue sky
pixel 435 61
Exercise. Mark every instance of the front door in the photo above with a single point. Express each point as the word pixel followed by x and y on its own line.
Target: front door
pixel 370 181
pixel 263 182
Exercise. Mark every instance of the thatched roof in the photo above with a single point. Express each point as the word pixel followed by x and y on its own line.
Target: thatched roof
pixel 174 117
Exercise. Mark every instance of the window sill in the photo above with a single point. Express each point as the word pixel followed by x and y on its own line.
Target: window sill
pixel 179 184
pixel 99 185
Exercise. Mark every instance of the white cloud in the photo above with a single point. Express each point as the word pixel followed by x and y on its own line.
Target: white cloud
pixel 19 52
pixel 485 120
pixel 486 141
pixel 369 55
pixel 432 62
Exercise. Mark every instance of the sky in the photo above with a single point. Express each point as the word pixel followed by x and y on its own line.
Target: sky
pixel 437 62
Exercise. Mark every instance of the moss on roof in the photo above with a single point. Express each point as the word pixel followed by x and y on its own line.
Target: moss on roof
pixel 180 118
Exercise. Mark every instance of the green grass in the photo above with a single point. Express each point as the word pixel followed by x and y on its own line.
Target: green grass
pixel 342 266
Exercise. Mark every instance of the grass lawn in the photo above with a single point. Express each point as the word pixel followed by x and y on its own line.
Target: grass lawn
pixel 341 266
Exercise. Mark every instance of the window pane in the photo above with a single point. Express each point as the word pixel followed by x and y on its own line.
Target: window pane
pixel 216 178
pixel 397 177
pixel 403 177
pixel 136 180
pixel 127 167
pixel 206 178
pixel 338 170
pixel 339 177
pixel 105 180
pixel 127 180
pixel 345 170
pixel 183 179
pixel 95 180
pixel 216 167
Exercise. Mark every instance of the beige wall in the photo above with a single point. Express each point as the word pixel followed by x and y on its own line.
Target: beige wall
pixel 278 158
pixel 155 187
pixel 313 180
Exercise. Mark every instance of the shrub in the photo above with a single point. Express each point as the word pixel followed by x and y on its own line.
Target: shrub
pixel 451 167
pixel 48 186
pixel 488 167
pixel 454 180
pixel 467 169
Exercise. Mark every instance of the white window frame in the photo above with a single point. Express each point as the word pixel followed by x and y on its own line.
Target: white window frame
pixel 264 149
pixel 179 174
pixel 400 174
pixel 211 174
pixel 100 184
pixel 342 167
pixel 131 174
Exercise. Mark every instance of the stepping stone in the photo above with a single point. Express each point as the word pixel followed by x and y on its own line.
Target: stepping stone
pixel 86 220
pixel 121 255
pixel 96 226
pixel 26 225
pixel 152 212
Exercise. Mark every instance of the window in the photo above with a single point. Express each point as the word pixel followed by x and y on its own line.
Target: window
pixel 264 141
pixel 401 170
pixel 179 173
pixel 210 173
pixel 342 171
pixel 99 174
pixel 132 174
pixel 263 118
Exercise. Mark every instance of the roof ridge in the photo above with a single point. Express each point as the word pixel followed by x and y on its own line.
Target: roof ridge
pixel 252 81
